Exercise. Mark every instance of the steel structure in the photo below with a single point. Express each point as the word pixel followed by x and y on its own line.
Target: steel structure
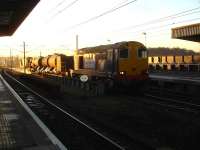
pixel 189 32
pixel 13 13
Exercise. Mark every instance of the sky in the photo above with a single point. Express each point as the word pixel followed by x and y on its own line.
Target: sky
pixel 52 26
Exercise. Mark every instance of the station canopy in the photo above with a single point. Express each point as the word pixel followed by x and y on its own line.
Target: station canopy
pixel 13 13
pixel 189 32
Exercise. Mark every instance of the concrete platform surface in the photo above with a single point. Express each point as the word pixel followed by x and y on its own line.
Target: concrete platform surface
pixel 17 128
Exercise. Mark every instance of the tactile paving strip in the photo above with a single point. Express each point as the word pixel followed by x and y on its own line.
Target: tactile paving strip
pixel 7 141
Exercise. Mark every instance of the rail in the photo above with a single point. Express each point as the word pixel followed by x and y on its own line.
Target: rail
pixel 100 135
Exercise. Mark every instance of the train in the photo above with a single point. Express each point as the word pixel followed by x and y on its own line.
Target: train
pixel 175 62
pixel 58 64
pixel 122 63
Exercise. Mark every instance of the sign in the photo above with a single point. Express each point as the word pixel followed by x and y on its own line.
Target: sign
pixel 84 78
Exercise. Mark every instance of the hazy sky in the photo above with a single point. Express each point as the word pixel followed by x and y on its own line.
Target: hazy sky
pixel 53 25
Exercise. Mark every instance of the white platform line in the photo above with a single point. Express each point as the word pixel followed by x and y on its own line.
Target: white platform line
pixel 49 134
pixel 73 117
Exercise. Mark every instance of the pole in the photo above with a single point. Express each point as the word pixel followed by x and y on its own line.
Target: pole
pixel 76 42
pixel 40 53
pixel 145 38
pixel 24 56
pixel 10 59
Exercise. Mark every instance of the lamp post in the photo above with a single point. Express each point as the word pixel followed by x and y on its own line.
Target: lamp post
pixel 77 41
pixel 11 60
pixel 108 40
pixel 24 47
pixel 145 38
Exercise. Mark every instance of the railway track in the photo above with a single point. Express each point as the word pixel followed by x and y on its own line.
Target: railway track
pixel 71 131
pixel 173 100
pixel 150 103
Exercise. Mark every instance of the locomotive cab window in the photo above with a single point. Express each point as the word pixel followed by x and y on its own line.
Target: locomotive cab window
pixel 142 52
pixel 123 53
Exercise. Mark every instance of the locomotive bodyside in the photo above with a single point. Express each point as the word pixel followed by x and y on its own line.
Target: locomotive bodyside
pixel 120 61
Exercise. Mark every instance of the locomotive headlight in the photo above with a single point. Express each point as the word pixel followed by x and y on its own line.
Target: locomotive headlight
pixel 122 73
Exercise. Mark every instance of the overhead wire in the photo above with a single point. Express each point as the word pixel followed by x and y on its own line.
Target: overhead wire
pixel 156 32
pixel 54 8
pixel 173 16
pixel 62 10
pixel 180 14
pixel 66 7
pixel 170 24
pixel 59 4
pixel 101 15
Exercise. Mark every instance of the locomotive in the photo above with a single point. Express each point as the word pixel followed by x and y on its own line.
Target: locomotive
pixel 124 63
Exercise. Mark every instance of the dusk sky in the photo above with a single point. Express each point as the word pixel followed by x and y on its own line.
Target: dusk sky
pixel 53 25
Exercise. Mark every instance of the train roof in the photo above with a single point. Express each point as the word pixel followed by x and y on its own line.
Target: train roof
pixel 13 13
pixel 103 48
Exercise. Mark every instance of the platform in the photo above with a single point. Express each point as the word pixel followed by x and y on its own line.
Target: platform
pixel 184 77
pixel 17 128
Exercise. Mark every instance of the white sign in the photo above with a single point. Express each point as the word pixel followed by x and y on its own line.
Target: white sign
pixel 84 78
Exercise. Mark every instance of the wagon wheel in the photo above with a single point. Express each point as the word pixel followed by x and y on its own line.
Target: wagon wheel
pixel 73 83
pixel 110 84
pixel 93 89
pixel 76 83
pixel 100 89
pixel 87 88
pixel 81 85
pixel 69 82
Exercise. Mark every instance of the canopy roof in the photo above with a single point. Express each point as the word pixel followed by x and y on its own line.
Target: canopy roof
pixel 13 13
pixel 189 32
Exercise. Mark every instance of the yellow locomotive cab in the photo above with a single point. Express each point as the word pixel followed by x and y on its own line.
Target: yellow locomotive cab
pixel 133 61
